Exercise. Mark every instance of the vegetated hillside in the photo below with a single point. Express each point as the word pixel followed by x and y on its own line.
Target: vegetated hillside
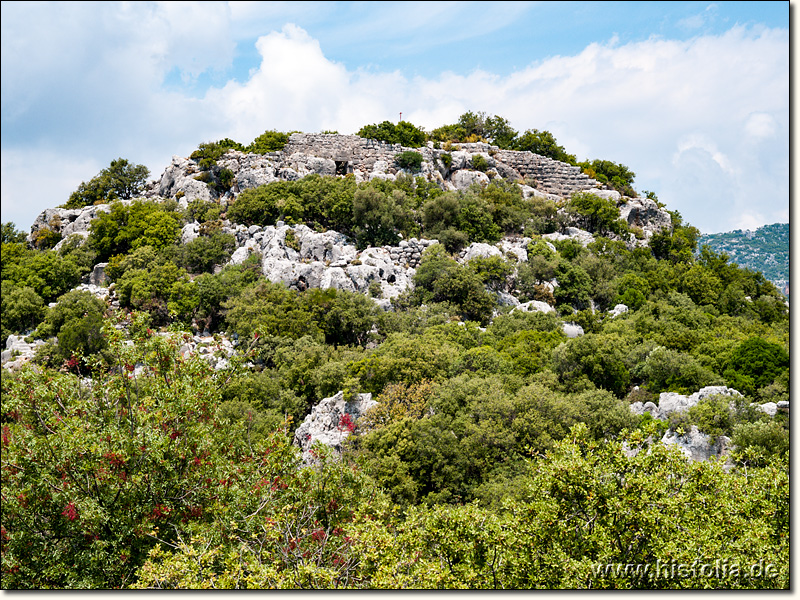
pixel 766 250
pixel 448 359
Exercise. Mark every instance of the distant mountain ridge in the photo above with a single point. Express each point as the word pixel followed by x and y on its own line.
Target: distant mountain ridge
pixel 766 250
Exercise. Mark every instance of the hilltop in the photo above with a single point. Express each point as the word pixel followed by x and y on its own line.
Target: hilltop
pixel 433 360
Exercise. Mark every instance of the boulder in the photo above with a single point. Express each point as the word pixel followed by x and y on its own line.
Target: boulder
pixel 645 213
pixel 698 446
pixel 330 422
pixel 535 306
pixel 98 276
pixel 464 179
pixel 619 309
pixel 672 402
pixel 572 330
pixel 480 250
pixel 572 233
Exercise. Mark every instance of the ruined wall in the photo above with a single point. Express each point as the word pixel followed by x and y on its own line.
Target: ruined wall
pixel 551 176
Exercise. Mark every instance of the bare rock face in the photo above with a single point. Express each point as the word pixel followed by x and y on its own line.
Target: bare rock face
pixel 330 422
pixel 671 402
pixel 584 238
pixel 645 213
pixel 698 446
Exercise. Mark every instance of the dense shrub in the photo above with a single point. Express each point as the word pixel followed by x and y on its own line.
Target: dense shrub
pixel 121 180
pixel 403 133
pixel 128 227
pixel 409 160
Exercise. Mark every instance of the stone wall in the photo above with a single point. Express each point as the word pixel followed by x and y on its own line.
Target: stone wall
pixel 353 153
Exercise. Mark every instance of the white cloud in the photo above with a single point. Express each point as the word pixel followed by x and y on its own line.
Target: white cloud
pixel 761 126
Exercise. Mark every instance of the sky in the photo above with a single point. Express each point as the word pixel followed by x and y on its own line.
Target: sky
pixel 693 97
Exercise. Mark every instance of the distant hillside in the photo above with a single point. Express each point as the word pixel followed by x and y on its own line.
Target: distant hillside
pixel 766 249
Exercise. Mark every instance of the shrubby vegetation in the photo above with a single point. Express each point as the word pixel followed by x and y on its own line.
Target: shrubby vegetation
pixel 501 453
pixel 121 180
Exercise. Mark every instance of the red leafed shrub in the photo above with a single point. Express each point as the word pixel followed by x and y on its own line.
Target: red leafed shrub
pixel 346 422
pixel 70 511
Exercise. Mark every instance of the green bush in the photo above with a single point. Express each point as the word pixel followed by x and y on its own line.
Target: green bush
pixel 22 309
pixel 409 160
pixel 208 153
pixel 269 141
pixel 121 180
pixel 127 228
pixel 404 133
pixel 479 163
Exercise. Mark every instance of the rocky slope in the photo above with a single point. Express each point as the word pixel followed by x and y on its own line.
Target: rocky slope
pixel 766 250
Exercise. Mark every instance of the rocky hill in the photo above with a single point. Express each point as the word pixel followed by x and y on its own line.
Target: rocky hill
pixel 331 260
pixel 766 250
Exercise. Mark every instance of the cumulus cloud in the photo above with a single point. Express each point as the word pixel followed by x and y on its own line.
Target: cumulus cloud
pixel 703 122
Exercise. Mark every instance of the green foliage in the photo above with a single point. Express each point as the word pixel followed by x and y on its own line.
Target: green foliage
pixel 269 141
pixel 439 278
pixel 544 144
pixel 125 228
pixel 667 370
pixel 208 153
pixel 377 216
pixel 47 273
pixel 76 321
pixel 618 176
pixel 409 160
pixel 596 214
pixel 595 359
pixel 11 235
pixel 22 309
pixel 754 364
pixel 403 133
pixel 121 180
pixel 164 290
pixel 473 127
pixel 479 163
pixel 756 443
pixel 203 253
pixel 269 309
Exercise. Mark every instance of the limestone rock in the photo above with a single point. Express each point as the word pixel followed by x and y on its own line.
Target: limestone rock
pixel 645 213
pixel 619 309
pixel 698 446
pixel 572 330
pixel 572 233
pixel 98 276
pixel 672 402
pixel 479 250
pixel 535 306
pixel 464 179
pixel 330 422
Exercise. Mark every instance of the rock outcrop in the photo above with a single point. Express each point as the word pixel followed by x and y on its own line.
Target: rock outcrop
pixel 698 446
pixel 330 422
pixel 671 402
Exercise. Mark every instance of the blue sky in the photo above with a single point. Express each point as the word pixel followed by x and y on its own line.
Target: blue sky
pixel 691 96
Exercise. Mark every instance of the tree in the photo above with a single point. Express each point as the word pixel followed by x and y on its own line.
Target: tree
pixel 22 309
pixel 128 227
pixel 10 234
pixel 596 214
pixel 755 363
pixel 121 180
pixel 404 133
pixel 269 141
pixel 542 143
